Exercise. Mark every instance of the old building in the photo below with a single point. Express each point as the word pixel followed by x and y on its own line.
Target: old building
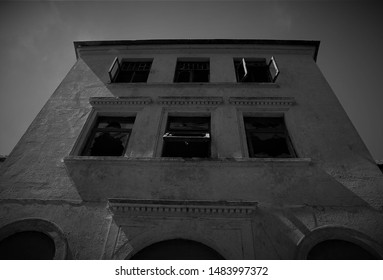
pixel 212 149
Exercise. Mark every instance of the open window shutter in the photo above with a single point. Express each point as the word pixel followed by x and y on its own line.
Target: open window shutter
pixel 242 70
pixel 200 136
pixel 114 69
pixel 196 129
pixel 273 68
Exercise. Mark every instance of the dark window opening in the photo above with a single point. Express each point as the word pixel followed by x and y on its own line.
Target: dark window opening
pixel 339 250
pixel 177 249
pixel 187 137
pixel 109 136
pixel 267 137
pixel 192 72
pixel 27 245
pixel 256 70
pixel 129 71
pixel 380 165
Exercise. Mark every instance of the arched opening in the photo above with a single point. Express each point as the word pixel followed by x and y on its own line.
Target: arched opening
pixel 339 250
pixel 177 249
pixel 27 245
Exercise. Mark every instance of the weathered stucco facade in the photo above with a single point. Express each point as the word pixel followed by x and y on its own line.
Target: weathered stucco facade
pixel 111 207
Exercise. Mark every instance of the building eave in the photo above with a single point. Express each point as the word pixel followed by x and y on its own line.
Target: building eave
pixel 308 43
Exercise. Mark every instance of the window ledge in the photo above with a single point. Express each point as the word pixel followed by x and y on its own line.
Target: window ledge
pixel 170 160
pixel 192 85
pixel 276 159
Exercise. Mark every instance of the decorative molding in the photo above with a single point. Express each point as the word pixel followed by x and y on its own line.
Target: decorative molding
pixel 181 207
pixel 209 85
pixel 193 100
pixel 189 100
pixel 262 101
pixel 133 100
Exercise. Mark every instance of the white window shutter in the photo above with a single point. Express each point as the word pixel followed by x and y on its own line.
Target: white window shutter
pixel 114 69
pixel 273 68
pixel 242 70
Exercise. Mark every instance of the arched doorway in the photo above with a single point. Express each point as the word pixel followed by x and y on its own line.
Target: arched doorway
pixel 27 245
pixel 339 250
pixel 177 249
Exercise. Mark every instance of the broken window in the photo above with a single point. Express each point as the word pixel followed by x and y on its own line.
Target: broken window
pixel 267 137
pixel 256 70
pixel 192 72
pixel 109 136
pixel 187 137
pixel 129 71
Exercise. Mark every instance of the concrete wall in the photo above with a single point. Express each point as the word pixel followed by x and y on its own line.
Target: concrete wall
pixel 334 182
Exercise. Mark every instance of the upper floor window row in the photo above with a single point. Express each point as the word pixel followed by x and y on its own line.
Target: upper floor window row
pixel 195 70
pixel 190 137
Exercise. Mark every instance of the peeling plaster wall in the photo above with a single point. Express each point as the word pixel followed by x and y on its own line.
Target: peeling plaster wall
pixel 334 182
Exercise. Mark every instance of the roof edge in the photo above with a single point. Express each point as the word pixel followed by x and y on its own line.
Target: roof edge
pixel 312 43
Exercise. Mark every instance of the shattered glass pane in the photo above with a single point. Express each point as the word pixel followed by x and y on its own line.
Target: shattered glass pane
pixel 109 137
pixel 119 123
pixel 109 143
pixel 265 123
pixel 267 137
pixel 188 123
pixel 269 145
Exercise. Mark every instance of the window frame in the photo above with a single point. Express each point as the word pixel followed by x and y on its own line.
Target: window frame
pixel 282 130
pixel 116 61
pixel 185 112
pixel 86 130
pixel 243 113
pixel 192 136
pixel 177 71
pixel 94 130
pixel 245 62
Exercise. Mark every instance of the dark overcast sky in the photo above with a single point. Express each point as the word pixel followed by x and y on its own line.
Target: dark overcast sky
pixel 36 46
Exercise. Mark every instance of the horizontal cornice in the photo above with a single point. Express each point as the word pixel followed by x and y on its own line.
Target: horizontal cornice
pixel 189 100
pixel 277 101
pixel 180 207
pixel 192 42
pixel 134 100
pixel 192 100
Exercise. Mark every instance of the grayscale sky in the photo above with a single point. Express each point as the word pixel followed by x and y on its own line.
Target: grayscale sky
pixel 36 46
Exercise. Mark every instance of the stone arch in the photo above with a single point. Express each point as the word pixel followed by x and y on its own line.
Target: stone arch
pixel 338 238
pixel 178 249
pixel 40 230
pixel 144 240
